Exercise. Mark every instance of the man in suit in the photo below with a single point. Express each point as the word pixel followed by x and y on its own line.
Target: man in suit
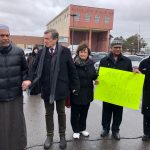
pixel 58 77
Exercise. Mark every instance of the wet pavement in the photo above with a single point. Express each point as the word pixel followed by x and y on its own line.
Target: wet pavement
pixel 130 129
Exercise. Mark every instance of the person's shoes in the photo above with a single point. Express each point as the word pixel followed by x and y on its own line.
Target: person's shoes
pixel 85 133
pixel 48 142
pixel 104 133
pixel 116 136
pixel 63 143
pixel 145 137
pixel 76 135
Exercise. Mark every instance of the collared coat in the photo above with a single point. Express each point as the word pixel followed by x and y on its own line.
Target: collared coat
pixel 123 63
pixel 67 77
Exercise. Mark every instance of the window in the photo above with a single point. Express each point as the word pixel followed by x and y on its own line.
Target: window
pixel 87 17
pixel 77 17
pixel 97 19
pixel 106 19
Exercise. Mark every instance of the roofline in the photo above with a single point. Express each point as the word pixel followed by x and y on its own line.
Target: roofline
pixel 74 5
pixel 58 15
pixel 90 7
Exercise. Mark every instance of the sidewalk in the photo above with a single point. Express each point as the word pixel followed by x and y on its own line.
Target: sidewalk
pixel 131 127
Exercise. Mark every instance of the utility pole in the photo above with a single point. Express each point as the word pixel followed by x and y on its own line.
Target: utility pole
pixel 139 39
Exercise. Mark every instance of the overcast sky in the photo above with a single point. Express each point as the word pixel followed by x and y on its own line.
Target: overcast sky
pixel 29 17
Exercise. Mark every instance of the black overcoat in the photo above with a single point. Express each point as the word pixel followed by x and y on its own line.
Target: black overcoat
pixel 144 67
pixel 123 63
pixel 67 77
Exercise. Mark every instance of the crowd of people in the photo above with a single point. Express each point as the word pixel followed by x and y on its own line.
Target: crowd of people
pixel 52 72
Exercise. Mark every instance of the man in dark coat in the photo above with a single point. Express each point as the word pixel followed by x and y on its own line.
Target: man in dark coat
pixel 58 77
pixel 144 67
pixel 117 61
pixel 13 78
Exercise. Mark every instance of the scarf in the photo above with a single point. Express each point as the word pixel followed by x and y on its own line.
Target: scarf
pixel 55 67
pixel 80 62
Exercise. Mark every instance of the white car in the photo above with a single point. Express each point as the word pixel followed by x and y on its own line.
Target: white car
pixel 96 65
pixel 135 60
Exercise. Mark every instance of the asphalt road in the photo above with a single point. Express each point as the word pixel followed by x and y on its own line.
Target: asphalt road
pixel 130 130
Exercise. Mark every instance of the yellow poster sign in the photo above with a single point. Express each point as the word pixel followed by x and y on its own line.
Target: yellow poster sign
pixel 119 87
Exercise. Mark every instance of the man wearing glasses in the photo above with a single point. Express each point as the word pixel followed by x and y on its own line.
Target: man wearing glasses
pixel 115 60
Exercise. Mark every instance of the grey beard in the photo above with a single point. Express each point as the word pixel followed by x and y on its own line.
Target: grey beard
pixel 4 45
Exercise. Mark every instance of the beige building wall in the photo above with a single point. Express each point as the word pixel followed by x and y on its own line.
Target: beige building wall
pixel 21 46
pixel 61 23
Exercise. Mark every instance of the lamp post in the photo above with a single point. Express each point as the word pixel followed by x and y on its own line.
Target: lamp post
pixel 139 39
pixel 72 35
pixel 132 46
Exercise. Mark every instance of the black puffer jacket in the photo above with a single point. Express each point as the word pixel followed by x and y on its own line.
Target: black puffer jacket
pixel 13 70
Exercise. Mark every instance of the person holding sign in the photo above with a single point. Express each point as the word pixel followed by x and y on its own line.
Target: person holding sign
pixel 115 60
pixel 144 67
pixel 80 103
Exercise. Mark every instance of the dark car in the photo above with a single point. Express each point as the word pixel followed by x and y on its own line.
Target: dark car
pixel 97 56
pixel 135 60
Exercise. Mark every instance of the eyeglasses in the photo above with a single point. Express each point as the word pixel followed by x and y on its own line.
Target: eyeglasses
pixel 3 35
pixel 117 47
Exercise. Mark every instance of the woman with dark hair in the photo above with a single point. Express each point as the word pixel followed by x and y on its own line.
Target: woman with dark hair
pixel 80 103
pixel 30 60
pixel 32 56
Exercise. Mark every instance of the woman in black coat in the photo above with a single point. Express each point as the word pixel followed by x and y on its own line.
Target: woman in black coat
pixel 144 67
pixel 30 60
pixel 80 103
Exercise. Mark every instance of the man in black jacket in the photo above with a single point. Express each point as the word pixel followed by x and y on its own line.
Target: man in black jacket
pixel 13 78
pixel 58 77
pixel 117 61
pixel 144 67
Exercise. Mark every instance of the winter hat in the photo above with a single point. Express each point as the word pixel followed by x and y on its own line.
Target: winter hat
pixel 117 41
pixel 2 26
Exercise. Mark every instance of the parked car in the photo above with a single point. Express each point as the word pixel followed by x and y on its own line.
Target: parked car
pixel 27 52
pixel 97 56
pixel 73 48
pixel 143 55
pixel 100 56
pixel 135 60
pixel 96 65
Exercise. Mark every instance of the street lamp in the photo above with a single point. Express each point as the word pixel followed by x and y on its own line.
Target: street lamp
pixel 72 36
pixel 132 46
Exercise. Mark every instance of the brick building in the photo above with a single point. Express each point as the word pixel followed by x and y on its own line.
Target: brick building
pixel 27 42
pixel 77 24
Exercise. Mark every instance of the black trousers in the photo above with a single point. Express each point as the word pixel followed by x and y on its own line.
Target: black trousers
pixel 146 125
pixel 60 107
pixel 110 110
pixel 78 117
